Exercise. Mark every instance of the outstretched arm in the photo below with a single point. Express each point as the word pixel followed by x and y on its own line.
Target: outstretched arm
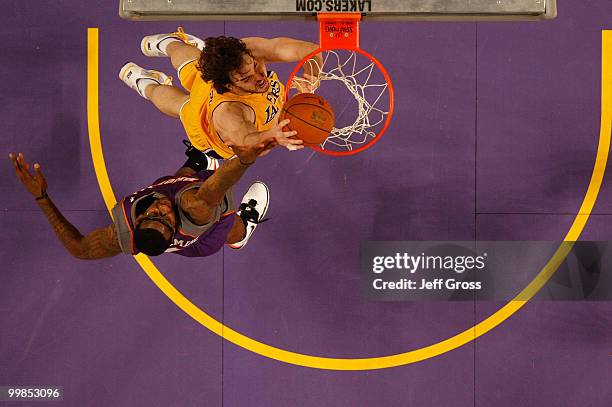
pixel 234 123
pixel 201 203
pixel 283 49
pixel 232 170
pixel 98 244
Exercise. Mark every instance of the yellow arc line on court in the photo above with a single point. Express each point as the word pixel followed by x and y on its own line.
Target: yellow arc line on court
pixel 374 362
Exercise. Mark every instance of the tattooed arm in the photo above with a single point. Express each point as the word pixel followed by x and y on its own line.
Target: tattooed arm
pixel 215 187
pixel 98 244
pixel 201 203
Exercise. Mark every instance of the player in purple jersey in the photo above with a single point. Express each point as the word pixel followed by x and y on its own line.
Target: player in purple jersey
pixel 190 213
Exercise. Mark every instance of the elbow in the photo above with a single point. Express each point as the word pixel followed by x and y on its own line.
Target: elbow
pixel 84 255
pixel 77 254
pixel 77 251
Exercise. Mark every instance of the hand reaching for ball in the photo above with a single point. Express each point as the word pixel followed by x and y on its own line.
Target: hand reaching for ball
pixel 284 136
pixel 311 116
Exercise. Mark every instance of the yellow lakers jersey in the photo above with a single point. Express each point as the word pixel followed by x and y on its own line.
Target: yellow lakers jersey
pixel 266 106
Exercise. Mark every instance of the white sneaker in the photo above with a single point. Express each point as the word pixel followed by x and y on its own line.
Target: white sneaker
pixel 131 74
pixel 252 210
pixel 150 44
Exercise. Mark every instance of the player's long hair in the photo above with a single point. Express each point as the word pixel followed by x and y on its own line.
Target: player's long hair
pixel 221 56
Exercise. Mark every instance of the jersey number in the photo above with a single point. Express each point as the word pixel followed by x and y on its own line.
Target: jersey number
pixel 271 112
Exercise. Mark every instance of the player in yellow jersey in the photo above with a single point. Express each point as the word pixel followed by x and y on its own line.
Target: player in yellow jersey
pixel 232 96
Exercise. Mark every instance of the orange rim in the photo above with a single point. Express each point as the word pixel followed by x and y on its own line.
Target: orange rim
pixel 391 101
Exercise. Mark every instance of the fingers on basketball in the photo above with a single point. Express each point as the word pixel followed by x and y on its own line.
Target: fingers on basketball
pixel 311 116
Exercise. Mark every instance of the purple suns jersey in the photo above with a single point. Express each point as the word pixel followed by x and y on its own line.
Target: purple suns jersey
pixel 189 240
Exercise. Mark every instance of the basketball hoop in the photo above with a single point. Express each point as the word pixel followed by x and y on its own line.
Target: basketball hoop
pixel 346 75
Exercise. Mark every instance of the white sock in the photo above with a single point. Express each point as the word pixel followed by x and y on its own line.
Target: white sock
pixel 213 164
pixel 142 84
pixel 163 44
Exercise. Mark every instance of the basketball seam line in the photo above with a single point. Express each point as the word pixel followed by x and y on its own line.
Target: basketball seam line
pixel 308 123
pixel 317 105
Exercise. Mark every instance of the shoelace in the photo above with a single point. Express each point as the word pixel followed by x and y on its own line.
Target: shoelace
pixel 157 77
pixel 248 212
pixel 180 34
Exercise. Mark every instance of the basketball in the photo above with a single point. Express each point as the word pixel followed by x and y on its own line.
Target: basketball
pixel 311 116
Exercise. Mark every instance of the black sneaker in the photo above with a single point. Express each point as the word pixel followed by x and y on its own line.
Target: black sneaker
pixel 199 160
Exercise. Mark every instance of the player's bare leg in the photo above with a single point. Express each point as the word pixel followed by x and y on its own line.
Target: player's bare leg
pixel 181 53
pixel 237 232
pixel 181 48
pixel 168 99
pixel 154 86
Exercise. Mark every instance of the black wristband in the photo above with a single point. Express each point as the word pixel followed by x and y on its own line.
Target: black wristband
pixel 245 164
pixel 43 196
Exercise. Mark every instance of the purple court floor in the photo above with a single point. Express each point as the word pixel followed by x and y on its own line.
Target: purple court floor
pixel 494 138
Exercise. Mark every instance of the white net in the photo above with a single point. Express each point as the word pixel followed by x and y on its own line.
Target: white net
pixel 364 81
